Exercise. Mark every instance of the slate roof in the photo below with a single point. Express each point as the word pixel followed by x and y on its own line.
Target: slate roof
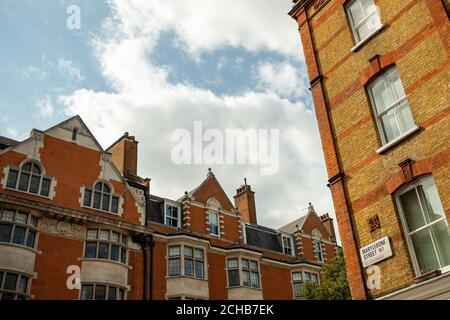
pixel 292 226
pixel 263 237
pixel 7 142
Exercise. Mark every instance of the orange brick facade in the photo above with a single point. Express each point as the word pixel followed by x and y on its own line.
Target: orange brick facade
pixel 132 248
pixel 367 175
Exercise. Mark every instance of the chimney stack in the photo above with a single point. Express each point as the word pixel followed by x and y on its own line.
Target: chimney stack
pixel 124 155
pixel 244 201
pixel 328 224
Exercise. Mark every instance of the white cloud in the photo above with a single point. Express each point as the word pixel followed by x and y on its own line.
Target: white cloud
pixel 144 103
pixel 45 107
pixel 34 72
pixel 66 67
pixel 281 78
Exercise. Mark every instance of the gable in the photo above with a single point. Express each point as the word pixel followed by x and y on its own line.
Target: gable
pixel 210 188
pixel 312 222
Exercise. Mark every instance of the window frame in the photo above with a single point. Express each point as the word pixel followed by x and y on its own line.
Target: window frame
pixel 183 257
pixel 210 224
pixel 16 293
pixel 241 269
pixel 19 171
pixel 401 127
pixel 166 216
pixel 407 233
pixel 303 280
pixel 359 42
pixel 291 244
pixel 119 290
pixel 317 245
pixel 29 227
pixel 112 196
pixel 122 244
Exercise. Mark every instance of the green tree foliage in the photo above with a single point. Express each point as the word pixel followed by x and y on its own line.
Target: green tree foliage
pixel 334 285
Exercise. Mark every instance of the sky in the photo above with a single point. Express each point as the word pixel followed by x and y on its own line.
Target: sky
pixel 152 67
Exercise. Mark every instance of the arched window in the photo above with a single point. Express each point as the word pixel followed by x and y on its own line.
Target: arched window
pixel 29 178
pixel 101 198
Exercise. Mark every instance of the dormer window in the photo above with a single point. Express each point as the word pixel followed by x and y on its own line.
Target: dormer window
pixel 172 215
pixel 29 178
pixel 101 198
pixel 213 224
pixel 287 245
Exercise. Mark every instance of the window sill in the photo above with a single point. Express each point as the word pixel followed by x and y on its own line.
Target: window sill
pixel 107 261
pixel 21 246
pixel 363 42
pixel 100 210
pixel 245 287
pixel 397 140
pixel 188 277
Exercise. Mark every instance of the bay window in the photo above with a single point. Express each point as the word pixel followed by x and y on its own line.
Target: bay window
pixel 93 291
pixel 425 226
pixel 192 259
pixel 243 272
pixel 18 227
pixel 13 286
pixel 106 244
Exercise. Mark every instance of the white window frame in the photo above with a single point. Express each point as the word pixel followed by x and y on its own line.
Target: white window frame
pixel 291 244
pixel 408 234
pixel 174 205
pixel 241 272
pixel 182 257
pixel 41 176
pixel 396 104
pixel 210 224
pixel 112 194
pixel 317 244
pixel 303 280
pixel 359 42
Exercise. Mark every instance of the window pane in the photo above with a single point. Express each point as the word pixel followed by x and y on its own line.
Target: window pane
pixel 21 218
pixel 45 188
pixel 253 265
pixel 98 186
pixel 431 201
pixel 356 13
pixel 213 218
pixel 381 96
pixel 121 294
pixel 10 282
pixel 199 269
pixel 112 293
pixel 363 31
pixel 103 250
pixel 412 210
pixel 33 221
pixel 115 205
pixel 423 247
pixel 19 235
pixel 389 126
pixel 297 276
pixel 34 185
pixel 123 255
pixel 87 292
pixel 23 284
pixel 5 232
pixel 314 277
pixel 106 189
pixel 104 235
pixel 96 203
pixel 232 263
pixel 36 169
pixel 26 167
pixel 7 296
pixel 174 267
pixel 31 238
pixel 188 267
pixel 12 179
pixel 105 202
pixel 23 181
pixel 115 236
pixel 199 254
pixel 246 278
pixel 114 253
pixel 442 240
pixel 233 278
pixel 92 234
pixel 8 215
pixel 245 264
pixel 124 239
pixel 90 250
pixel 100 292
pixel 405 113
pixel 174 251
pixel 298 289
pixel 87 198
pixel 188 251
pixel 307 276
pixel 255 279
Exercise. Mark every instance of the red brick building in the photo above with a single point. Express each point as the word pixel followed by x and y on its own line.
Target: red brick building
pixel 70 210
pixel 379 75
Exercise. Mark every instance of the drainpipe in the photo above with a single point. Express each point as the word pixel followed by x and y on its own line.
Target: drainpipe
pixel 151 244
